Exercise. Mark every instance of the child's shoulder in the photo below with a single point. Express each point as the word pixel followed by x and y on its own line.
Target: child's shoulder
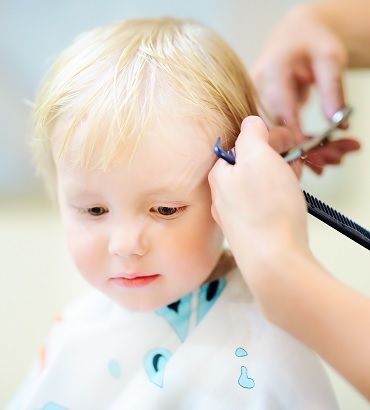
pixel 92 306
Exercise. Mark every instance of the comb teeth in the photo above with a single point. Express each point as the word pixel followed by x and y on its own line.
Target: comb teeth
pixel 337 220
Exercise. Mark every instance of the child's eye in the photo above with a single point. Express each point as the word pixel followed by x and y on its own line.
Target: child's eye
pixel 96 210
pixel 168 211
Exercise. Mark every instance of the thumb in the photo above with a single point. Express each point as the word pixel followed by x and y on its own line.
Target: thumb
pixel 252 145
pixel 252 128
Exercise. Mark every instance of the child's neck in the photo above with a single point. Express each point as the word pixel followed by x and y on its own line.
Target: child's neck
pixel 225 263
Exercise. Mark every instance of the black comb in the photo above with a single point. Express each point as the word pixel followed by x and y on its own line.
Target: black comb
pixel 316 208
pixel 337 221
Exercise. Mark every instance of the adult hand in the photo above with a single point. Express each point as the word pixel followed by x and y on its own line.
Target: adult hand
pixel 302 50
pixel 257 202
pixel 281 139
pixel 259 206
pixel 330 153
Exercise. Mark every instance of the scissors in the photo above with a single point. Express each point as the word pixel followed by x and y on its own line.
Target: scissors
pixel 302 149
pixel 316 207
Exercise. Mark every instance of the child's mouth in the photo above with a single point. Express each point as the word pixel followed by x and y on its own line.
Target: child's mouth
pixel 134 282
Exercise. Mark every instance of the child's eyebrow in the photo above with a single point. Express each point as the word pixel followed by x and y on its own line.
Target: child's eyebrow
pixel 164 190
pixel 173 189
pixel 82 195
pixel 182 185
pixel 76 193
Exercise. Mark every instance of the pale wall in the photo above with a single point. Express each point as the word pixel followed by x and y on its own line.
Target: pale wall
pixel 36 277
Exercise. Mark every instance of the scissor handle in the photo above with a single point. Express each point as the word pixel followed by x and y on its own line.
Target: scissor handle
pixel 337 119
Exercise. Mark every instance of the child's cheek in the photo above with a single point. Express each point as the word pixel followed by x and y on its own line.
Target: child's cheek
pixel 199 239
pixel 86 254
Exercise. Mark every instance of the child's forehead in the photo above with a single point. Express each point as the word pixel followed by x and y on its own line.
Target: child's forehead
pixel 102 131
pixel 174 151
pixel 179 158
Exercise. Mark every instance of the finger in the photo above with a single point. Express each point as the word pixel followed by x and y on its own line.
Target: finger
pixel 330 156
pixel 341 147
pixel 215 215
pixel 281 139
pixel 297 167
pixel 303 79
pixel 316 167
pixel 317 170
pixel 287 104
pixel 345 144
pixel 218 170
pixel 328 74
pixel 278 91
pixel 252 130
pixel 252 143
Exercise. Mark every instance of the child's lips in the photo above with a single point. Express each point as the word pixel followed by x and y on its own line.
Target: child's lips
pixel 134 280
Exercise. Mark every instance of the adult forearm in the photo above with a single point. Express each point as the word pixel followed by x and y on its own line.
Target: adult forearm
pixel 261 210
pixel 349 19
pixel 330 318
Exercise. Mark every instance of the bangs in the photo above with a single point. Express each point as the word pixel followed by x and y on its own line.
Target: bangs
pixel 108 85
pixel 106 124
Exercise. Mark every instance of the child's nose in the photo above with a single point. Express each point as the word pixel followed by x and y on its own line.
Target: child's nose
pixel 127 239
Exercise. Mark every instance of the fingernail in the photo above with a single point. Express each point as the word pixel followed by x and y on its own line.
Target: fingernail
pixel 248 120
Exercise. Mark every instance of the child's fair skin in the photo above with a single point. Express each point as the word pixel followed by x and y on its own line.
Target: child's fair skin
pixel 149 217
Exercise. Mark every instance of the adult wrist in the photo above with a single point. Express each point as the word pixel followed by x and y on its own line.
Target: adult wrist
pixel 275 273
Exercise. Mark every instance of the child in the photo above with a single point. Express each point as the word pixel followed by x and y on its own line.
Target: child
pixel 125 125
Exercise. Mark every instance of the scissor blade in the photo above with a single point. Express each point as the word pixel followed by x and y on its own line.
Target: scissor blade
pixel 313 142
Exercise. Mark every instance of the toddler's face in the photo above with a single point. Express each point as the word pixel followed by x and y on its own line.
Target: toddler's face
pixel 143 233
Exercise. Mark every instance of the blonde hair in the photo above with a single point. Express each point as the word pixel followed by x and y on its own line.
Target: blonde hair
pixel 113 76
